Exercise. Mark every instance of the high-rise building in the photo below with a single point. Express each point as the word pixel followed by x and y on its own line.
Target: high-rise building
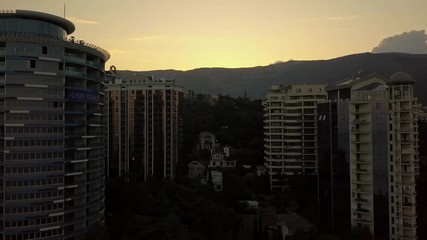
pixel 373 122
pixel 336 127
pixel 290 133
pixel 52 146
pixel 403 156
pixel 333 166
pixel 145 126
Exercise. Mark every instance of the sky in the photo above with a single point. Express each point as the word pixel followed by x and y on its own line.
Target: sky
pixel 188 34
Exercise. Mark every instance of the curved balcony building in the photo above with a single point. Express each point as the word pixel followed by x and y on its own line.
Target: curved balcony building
pixel 51 131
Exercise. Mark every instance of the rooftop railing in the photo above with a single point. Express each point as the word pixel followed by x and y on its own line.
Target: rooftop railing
pixel 47 39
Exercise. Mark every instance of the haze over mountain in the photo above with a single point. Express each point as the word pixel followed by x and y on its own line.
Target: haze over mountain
pixel 257 80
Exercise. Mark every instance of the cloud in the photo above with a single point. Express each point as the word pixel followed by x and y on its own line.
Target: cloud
pixel 116 51
pixel 407 42
pixel 186 39
pixel 147 38
pixel 340 29
pixel 343 18
pixel 81 21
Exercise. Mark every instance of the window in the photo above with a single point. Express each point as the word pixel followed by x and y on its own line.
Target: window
pixel 44 50
pixel 60 66
pixel 33 63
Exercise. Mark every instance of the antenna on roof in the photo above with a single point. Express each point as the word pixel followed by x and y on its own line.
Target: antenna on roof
pixel 64 9
pixel 360 67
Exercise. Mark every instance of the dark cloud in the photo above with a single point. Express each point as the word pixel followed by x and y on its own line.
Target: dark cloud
pixel 407 42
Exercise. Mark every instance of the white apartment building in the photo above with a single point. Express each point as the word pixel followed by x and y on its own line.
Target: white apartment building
pixel 290 113
pixel 404 169
pixel 218 161
pixel 384 155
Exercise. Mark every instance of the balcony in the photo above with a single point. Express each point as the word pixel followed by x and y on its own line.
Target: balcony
pixel 409 215
pixel 362 220
pixel 365 151
pixel 74 73
pixel 407 151
pixel 406 204
pixel 359 130
pixel 74 59
pixel 362 210
pixel 362 190
pixel 408 225
pixel 361 200
pixel 407 162
pixel 94 64
pixel 405 120
pixel 359 170
pixel 362 110
pixel 360 140
pixel 406 141
pixel 360 121
pixel 408 172
pixel 360 181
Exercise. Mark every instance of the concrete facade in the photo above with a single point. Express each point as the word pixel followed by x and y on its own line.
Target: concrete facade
pixel 290 138
pixel 375 133
pixel 145 126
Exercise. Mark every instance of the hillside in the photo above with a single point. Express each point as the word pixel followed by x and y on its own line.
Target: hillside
pixel 257 80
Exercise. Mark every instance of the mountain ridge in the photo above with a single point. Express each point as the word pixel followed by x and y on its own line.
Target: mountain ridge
pixel 256 81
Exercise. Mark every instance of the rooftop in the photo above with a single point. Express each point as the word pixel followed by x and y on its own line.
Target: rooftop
pixel 401 77
pixel 67 25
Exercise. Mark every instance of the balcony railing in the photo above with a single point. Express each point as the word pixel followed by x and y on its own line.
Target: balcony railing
pixel 71 43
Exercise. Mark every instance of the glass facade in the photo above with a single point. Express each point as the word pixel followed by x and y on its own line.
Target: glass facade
pixel 51 143
pixel 30 26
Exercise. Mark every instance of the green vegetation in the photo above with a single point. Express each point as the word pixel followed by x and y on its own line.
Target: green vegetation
pixel 161 209
pixel 236 122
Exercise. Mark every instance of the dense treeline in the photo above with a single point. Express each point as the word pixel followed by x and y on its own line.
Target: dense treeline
pixel 160 209
pixel 237 122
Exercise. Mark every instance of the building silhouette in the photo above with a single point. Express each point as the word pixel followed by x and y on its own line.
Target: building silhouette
pixel 52 141
pixel 145 126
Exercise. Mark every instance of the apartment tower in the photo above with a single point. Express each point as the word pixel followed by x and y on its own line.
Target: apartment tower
pixel 290 132
pixel 51 143
pixel 373 129
pixel 145 126
pixel 403 156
